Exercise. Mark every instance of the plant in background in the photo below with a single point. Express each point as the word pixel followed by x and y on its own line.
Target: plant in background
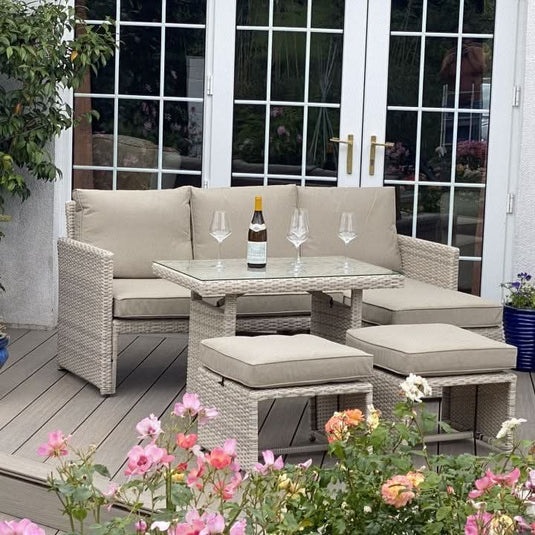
pixel 176 488
pixel 37 64
pixel 521 292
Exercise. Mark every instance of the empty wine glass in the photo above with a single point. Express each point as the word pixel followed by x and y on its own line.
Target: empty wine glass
pixel 219 230
pixel 298 230
pixel 347 231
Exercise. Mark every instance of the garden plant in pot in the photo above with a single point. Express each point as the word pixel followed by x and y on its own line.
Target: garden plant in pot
pixel 4 341
pixel 519 320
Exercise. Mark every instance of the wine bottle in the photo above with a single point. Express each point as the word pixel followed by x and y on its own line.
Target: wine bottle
pixel 257 238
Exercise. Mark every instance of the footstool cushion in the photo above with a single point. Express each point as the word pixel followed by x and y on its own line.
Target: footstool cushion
pixel 276 361
pixel 433 349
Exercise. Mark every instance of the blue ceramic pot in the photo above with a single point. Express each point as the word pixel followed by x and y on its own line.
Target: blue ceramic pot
pixel 4 341
pixel 519 327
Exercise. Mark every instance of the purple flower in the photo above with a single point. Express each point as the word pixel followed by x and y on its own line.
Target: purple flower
pixel 515 284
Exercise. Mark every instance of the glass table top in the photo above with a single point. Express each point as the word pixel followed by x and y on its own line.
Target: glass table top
pixel 276 268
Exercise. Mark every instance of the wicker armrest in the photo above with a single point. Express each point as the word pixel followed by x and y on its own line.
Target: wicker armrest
pixel 430 262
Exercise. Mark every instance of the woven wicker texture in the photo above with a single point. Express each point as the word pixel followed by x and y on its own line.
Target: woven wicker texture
pixel 429 262
pixel 238 409
pixel 494 403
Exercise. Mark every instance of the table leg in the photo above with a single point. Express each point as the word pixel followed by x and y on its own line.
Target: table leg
pixel 331 319
pixel 207 321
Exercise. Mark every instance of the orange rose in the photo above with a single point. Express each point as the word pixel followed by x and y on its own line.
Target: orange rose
pixel 397 491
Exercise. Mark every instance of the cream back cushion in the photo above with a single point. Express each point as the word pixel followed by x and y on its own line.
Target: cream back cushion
pixel 278 203
pixel 375 211
pixel 138 226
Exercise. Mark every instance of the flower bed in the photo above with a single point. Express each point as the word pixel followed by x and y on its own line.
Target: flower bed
pixel 176 488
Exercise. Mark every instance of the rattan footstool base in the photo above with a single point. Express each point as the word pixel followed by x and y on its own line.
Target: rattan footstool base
pixel 238 410
pixel 477 403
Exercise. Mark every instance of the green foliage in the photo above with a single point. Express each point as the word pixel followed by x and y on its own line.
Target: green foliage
pixel 521 292
pixel 37 63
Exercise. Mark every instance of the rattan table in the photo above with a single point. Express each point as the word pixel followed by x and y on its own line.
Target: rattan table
pixel 317 275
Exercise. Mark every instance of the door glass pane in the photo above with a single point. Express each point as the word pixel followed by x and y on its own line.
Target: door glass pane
pixel 252 12
pixel 404 71
pixel 406 15
pixel 404 208
pixel 442 15
pixel 288 66
pixel 290 13
pixel 446 147
pixel 147 135
pixel 286 110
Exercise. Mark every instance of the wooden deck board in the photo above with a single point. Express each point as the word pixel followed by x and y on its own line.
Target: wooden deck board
pixel 36 397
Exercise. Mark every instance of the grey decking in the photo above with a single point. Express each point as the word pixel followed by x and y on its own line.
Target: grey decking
pixel 36 397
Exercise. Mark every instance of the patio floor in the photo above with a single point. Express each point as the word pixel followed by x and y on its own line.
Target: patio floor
pixel 36 397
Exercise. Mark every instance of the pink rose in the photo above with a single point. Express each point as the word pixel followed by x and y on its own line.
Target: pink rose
pixel 186 442
pixel 149 427
pixel 238 528
pixel 478 524
pixel 270 463
pixel 21 527
pixel 56 445
pixel 191 404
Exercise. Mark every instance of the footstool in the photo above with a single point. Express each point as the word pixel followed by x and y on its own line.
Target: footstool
pixel 465 371
pixel 238 372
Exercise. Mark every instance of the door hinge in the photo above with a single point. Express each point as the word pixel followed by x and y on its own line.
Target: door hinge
pixel 517 92
pixel 209 85
pixel 510 203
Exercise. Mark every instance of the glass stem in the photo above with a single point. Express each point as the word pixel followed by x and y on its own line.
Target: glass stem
pixel 298 249
pixel 219 253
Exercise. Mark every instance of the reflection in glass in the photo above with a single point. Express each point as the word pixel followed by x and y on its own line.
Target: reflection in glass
pixel 184 61
pixel 238 181
pixel 250 65
pixel 328 14
pixel 83 150
pixel 322 155
pixel 95 9
pixel 476 72
pixel 325 67
pixel 290 13
pixel 288 66
pixel 470 276
pixel 403 71
pixel 182 135
pixel 248 139
pixel 435 147
pixel 406 15
pixel 433 210
pixel 186 11
pixel 442 16
pixel 285 140
pixel 92 179
pixel 468 215
pixel 252 12
pixel 479 16
pixel 137 145
pixel 400 159
pixel 139 66
pixel 171 180
pixel 136 180
pixel 471 163
pixel 404 208
pixel 283 181
pixel 440 72
pixel 141 10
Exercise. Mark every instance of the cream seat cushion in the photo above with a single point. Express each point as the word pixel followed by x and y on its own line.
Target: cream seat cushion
pixel 149 298
pixel 432 349
pixel 275 360
pixel 419 302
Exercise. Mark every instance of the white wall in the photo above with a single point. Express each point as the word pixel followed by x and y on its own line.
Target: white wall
pixel 524 217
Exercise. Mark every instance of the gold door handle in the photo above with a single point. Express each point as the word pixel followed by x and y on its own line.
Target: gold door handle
pixel 373 145
pixel 349 142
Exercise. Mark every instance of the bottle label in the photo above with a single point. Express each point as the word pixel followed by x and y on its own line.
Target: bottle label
pixel 256 227
pixel 256 252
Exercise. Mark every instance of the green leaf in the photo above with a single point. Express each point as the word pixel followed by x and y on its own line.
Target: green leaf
pixel 102 470
pixel 443 512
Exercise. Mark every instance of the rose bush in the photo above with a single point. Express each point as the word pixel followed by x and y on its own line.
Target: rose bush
pixel 375 486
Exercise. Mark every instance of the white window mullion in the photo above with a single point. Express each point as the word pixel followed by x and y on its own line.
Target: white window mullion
pixel 419 122
pixel 116 93
pixel 455 123
pixel 162 91
pixel 306 89
pixel 268 92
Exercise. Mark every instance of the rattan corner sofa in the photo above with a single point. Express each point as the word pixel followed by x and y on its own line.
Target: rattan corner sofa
pixel 107 287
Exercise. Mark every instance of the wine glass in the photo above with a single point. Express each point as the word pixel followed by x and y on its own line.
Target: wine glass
pixel 347 231
pixel 219 230
pixel 298 230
